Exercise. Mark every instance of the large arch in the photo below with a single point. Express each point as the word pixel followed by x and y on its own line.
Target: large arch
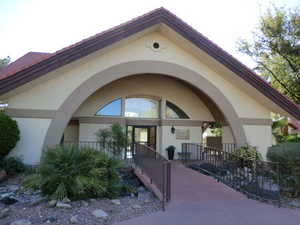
pixel 75 99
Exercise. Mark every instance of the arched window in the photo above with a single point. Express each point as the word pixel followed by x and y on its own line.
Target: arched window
pixel 174 112
pixel 141 107
pixel 113 108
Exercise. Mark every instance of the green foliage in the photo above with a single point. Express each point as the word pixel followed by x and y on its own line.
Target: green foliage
pixel 115 137
pixel 4 62
pixel 276 50
pixel 280 130
pixel 247 152
pixel 104 135
pixel 288 157
pixel 9 134
pixel 68 171
pixel 216 129
pixel 246 156
pixel 13 166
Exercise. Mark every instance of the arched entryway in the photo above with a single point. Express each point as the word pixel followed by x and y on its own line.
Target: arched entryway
pixel 99 80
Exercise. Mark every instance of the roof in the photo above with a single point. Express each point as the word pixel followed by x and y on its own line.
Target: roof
pixel 14 79
pixel 23 62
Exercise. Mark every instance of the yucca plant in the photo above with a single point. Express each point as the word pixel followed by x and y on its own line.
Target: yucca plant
pixel 76 173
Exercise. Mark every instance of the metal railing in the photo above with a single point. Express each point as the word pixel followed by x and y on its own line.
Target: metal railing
pixel 156 167
pixel 257 179
pixel 110 148
pixel 226 147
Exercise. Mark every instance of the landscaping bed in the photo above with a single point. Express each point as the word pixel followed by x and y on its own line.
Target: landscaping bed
pixel 24 207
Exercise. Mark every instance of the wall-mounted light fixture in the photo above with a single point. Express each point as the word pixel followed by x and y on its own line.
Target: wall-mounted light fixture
pixel 173 130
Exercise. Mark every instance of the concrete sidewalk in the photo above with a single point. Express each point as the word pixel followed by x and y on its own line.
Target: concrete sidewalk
pixel 199 199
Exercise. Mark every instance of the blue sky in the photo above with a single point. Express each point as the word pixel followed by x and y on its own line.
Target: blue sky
pixel 49 25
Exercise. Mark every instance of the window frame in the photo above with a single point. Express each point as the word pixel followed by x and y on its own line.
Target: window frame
pixel 116 99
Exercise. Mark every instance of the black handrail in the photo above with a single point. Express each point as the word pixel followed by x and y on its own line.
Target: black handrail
pixel 255 178
pixel 156 167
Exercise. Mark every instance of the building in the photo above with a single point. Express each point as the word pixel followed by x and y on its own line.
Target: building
pixel 154 74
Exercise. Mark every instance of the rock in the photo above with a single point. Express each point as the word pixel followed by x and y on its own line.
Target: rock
pixel 74 219
pixel 99 213
pixel 51 219
pixel 51 203
pixel 295 203
pixel 13 188
pixel 116 202
pixel 85 203
pixel 148 200
pixel 35 201
pixel 141 190
pixel 63 205
pixel 3 175
pixel 8 200
pixel 66 200
pixel 136 206
pixel 4 213
pixel 21 222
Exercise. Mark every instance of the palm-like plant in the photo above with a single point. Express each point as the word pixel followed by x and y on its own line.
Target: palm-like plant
pixel 68 171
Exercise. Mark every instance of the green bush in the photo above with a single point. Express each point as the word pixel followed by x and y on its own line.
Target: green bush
pixel 68 171
pixel 9 134
pixel 246 156
pixel 12 166
pixel 287 155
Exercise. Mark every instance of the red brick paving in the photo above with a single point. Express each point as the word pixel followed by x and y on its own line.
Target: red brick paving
pixel 198 199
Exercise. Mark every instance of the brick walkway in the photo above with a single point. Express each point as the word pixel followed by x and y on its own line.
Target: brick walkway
pixel 199 199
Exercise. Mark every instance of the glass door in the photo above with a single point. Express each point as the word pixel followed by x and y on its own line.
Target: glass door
pixel 141 134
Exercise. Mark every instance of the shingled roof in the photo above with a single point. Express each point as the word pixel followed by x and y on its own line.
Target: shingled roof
pixel 14 79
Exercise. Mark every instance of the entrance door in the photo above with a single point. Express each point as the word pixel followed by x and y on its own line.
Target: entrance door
pixel 142 134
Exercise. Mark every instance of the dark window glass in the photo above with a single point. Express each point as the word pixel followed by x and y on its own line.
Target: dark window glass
pixel 111 109
pixel 174 112
pixel 141 107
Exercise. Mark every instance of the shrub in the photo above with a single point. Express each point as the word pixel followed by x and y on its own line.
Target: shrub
pixel 285 153
pixel 246 156
pixel 9 134
pixel 114 137
pixel 68 171
pixel 288 157
pixel 12 166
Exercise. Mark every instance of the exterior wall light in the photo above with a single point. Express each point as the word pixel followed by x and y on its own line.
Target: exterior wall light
pixel 173 130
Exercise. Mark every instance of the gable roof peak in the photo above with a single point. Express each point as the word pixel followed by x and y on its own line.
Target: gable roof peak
pixel 99 41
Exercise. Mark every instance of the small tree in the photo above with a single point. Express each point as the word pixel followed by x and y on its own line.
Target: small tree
pixel 115 137
pixel 9 134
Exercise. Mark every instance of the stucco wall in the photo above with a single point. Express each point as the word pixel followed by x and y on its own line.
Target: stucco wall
pixel 33 132
pixel 160 86
pixel 260 137
pixel 170 139
pixel 49 93
pixel 227 136
pixel 66 79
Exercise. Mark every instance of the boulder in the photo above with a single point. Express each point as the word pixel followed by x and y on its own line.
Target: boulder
pixel 74 219
pixel 51 203
pixel 99 213
pixel 116 202
pixel 136 206
pixel 4 213
pixel 21 222
pixel 63 205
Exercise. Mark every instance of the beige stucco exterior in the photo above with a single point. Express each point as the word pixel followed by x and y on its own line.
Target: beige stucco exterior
pixel 51 92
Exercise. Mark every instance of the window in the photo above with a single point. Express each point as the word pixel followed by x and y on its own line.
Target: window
pixel 141 107
pixel 112 108
pixel 174 112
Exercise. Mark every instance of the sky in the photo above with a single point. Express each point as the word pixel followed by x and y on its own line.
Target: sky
pixel 49 25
